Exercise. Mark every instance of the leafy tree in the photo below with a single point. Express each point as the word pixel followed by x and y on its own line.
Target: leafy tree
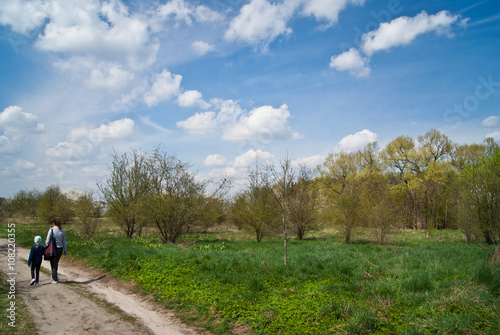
pixel 26 202
pixel 342 193
pixel 434 146
pixel 125 188
pixel 6 208
pixel 54 203
pixel 479 205
pixel 400 155
pixel 88 211
pixel 380 204
pixel 254 208
pixel 302 204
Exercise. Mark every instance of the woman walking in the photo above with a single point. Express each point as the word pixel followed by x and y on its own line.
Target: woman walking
pixel 60 237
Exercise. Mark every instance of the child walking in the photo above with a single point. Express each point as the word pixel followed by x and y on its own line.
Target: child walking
pixel 35 260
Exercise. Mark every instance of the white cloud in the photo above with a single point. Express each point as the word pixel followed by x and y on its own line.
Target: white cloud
pixel 105 31
pixel 23 164
pixel 310 162
pixel 120 130
pixel 23 16
pixel 70 151
pixel 260 23
pixel 215 160
pixel 351 61
pixel 495 135
pixel 229 110
pixel 192 98
pixel 165 85
pixel 17 127
pixel 199 124
pixel 403 30
pixel 327 9
pixel 249 159
pixel 84 142
pixel 202 48
pixel 263 124
pixel 491 121
pixel 95 74
pixel 357 141
pixel 204 14
pixel 400 31
pixel 183 11
pixel 13 121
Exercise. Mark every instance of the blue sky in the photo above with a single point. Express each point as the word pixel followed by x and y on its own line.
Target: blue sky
pixel 220 82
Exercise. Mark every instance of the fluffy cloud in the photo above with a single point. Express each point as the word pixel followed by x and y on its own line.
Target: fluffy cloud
pixel 202 48
pixel 95 74
pixel 263 124
pixel 249 158
pixel 259 23
pixel 23 164
pixel 199 124
pixel 13 120
pixel 400 31
pixel 357 141
pixel 84 142
pixel 215 161
pixel 327 9
pixel 403 30
pixel 182 11
pixel 192 98
pixel 23 16
pixel 495 135
pixel 491 122
pixel 120 130
pixel 17 126
pixel 106 31
pixel 165 86
pixel 351 61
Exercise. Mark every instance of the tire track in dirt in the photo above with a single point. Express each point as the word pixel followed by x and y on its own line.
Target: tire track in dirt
pixel 70 308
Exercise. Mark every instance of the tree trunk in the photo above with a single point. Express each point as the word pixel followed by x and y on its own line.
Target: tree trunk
pixel 496 255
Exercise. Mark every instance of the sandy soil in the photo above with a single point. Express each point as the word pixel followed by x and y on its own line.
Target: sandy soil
pixel 75 305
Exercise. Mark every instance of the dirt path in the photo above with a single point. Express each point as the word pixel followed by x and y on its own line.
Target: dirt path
pixel 75 305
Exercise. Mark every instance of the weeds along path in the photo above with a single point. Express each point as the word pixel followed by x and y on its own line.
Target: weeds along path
pixel 85 301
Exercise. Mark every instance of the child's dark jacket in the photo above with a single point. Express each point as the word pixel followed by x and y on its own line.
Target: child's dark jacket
pixel 36 255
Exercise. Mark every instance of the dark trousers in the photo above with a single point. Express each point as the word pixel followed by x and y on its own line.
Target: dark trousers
pixel 35 271
pixel 54 262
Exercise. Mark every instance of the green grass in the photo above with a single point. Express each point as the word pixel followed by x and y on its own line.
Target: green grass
pixel 416 285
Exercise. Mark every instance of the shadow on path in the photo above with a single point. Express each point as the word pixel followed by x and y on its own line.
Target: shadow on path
pixel 84 282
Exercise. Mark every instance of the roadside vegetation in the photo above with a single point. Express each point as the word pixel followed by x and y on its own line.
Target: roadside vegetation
pixel 223 280
pixel 401 240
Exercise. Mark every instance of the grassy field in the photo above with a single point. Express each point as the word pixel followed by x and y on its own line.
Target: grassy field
pixel 228 283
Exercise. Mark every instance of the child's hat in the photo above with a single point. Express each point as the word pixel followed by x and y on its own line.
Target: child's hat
pixel 38 239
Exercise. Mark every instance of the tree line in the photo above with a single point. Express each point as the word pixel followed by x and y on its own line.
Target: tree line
pixel 425 183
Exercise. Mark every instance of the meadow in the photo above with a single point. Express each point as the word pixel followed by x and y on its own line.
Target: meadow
pixel 224 281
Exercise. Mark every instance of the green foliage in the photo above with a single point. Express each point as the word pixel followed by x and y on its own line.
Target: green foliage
pixel 416 285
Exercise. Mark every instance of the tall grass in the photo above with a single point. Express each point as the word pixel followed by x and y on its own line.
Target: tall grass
pixel 415 285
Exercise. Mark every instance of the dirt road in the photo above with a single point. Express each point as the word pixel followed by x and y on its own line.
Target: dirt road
pixel 76 304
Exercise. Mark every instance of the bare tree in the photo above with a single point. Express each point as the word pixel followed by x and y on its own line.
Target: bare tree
pixel 302 204
pixel 88 211
pixel 254 209
pixel 127 184
pixel 178 199
pixel 282 180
